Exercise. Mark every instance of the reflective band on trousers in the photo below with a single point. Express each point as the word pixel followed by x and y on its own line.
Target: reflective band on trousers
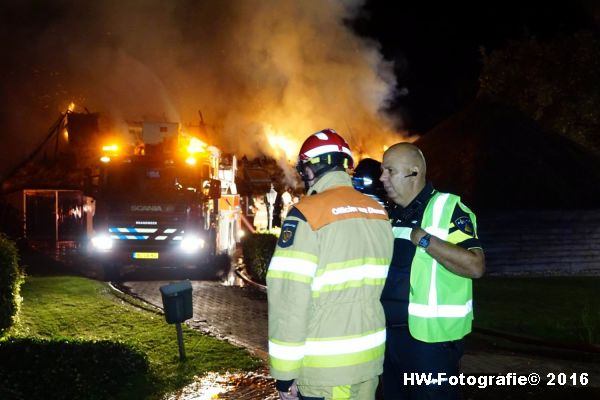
pixel 327 347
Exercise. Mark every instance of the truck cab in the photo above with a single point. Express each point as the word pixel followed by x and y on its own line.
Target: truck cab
pixel 157 207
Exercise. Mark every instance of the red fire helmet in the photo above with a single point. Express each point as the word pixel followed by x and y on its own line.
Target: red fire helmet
pixel 324 142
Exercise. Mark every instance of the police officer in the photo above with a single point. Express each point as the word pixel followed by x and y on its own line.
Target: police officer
pixel 427 296
pixel 366 179
pixel 326 321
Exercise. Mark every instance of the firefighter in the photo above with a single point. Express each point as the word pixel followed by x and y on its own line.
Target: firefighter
pixel 286 203
pixel 261 216
pixel 326 321
pixel 428 295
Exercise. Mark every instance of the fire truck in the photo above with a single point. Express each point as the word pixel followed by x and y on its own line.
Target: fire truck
pixel 167 200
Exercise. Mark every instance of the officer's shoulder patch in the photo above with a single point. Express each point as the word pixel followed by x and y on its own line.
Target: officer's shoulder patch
pixel 288 231
pixel 465 225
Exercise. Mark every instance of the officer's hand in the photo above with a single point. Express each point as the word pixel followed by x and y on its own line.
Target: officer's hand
pixel 291 394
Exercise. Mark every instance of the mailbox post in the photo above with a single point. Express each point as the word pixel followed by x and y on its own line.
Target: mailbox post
pixel 177 303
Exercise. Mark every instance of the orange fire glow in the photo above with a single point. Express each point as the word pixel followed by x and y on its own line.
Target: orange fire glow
pixel 111 148
pixel 282 144
pixel 196 146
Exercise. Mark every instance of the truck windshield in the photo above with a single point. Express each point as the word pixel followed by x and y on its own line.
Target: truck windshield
pixel 149 182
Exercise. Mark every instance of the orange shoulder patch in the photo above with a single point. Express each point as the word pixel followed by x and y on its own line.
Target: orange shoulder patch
pixel 337 204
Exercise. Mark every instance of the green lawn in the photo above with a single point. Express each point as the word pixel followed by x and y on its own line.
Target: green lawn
pixel 83 309
pixel 82 314
pixel 564 309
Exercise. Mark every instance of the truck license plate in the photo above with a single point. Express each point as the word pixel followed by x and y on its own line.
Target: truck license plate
pixel 145 255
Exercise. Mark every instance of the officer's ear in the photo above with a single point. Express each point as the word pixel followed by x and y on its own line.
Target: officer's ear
pixel 414 171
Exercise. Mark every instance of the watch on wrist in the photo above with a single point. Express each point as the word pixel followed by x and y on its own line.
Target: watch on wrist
pixel 424 241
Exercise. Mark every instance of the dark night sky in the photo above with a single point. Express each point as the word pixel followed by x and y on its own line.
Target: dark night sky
pixel 51 47
pixel 436 45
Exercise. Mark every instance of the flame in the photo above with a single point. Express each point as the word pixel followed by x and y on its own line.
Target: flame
pixel 282 144
pixel 196 146
pixel 111 148
pixel 71 107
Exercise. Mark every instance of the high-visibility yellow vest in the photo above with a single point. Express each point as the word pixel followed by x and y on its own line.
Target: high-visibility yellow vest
pixel 440 302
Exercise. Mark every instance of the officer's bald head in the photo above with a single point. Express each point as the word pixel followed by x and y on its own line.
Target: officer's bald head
pixel 409 154
pixel 403 172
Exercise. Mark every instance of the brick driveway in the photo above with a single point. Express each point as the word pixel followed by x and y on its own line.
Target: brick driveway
pixel 238 314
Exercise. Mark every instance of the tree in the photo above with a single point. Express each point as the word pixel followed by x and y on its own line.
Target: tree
pixel 555 82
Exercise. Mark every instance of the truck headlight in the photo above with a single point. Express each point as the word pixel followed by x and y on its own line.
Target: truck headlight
pixel 192 244
pixel 102 242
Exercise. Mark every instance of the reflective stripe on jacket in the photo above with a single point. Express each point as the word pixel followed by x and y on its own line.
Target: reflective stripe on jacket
pixel 440 302
pixel 326 323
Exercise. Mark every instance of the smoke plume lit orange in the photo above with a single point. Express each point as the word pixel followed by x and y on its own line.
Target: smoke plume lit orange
pixel 264 74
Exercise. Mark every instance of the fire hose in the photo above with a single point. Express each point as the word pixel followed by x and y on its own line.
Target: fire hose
pixel 247 223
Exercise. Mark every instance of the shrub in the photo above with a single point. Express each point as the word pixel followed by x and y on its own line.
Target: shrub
pixel 11 278
pixel 258 249
pixel 35 368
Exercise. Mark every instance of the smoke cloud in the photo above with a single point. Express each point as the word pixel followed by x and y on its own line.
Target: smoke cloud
pixel 264 73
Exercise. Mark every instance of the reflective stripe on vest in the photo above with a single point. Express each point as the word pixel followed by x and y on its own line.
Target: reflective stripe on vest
pixel 440 302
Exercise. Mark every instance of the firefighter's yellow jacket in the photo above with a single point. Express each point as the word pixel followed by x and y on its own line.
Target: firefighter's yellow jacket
pixel 326 322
